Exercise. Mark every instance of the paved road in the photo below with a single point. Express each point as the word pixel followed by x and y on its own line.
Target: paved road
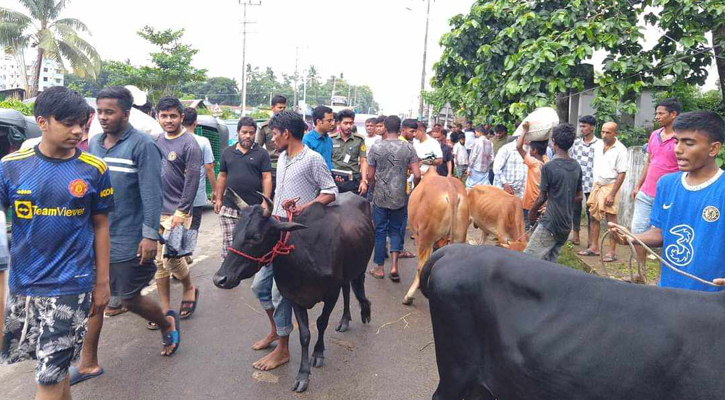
pixel 389 359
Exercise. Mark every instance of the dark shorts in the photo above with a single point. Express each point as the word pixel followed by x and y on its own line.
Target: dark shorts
pixel 128 278
pixel 48 329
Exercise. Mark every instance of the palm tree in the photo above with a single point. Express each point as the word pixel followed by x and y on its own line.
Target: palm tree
pixel 54 38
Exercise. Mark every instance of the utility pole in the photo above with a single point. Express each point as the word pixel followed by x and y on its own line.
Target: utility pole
pixel 425 54
pixel 333 89
pixel 297 75
pixel 244 4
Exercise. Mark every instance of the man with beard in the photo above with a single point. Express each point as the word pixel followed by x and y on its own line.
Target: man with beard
pixel 302 174
pixel 180 170
pixel 246 169
pixel 263 138
pixel 134 162
pixel 348 157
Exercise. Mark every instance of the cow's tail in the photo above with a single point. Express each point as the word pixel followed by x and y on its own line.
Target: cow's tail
pixel 455 200
pixel 426 271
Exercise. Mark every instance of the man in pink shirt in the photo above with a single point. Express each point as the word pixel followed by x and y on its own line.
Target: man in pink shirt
pixel 661 160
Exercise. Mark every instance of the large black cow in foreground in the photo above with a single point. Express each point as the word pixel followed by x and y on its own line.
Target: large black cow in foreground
pixel 333 245
pixel 510 327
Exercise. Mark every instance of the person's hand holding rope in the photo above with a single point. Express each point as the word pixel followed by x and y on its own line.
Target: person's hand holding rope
pixel 624 236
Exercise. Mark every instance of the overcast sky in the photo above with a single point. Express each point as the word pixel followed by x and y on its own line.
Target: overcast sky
pixel 373 42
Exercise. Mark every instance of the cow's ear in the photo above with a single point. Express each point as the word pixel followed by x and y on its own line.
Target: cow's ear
pixel 290 226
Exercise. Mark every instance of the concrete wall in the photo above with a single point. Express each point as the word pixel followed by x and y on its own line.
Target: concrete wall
pixel 646 114
pixel 637 159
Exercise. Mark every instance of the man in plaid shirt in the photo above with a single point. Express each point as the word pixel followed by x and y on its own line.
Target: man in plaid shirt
pixel 510 170
pixel 583 152
pixel 302 174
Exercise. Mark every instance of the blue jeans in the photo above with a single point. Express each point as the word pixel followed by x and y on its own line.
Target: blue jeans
pixel 387 224
pixel 642 210
pixel 265 288
pixel 403 226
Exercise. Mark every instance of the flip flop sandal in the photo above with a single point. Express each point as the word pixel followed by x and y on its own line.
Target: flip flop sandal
pixel 608 259
pixel 112 312
pixel 75 376
pixel 406 254
pixel 587 253
pixel 394 277
pixel 189 307
pixel 375 275
pixel 172 338
pixel 152 326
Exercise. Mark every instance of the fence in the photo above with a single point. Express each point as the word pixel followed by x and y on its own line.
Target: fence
pixel 637 159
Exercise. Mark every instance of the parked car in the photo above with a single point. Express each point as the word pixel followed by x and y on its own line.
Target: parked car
pixel 15 128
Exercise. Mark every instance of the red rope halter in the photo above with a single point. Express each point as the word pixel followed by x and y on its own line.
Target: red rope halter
pixel 281 247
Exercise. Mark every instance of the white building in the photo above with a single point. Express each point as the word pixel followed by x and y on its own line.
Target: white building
pixel 50 74
pixel 10 77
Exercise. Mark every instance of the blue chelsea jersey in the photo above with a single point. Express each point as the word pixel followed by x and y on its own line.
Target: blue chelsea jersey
pixel 52 232
pixel 693 229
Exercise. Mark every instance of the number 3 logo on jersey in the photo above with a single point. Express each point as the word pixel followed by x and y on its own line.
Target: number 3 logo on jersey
pixel 681 252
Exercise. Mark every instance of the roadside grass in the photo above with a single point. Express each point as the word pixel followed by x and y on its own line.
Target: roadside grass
pixel 569 258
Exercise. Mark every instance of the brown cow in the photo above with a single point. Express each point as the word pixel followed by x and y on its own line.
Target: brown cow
pixel 498 213
pixel 438 215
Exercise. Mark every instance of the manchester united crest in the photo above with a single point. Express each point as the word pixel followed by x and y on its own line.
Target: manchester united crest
pixel 711 214
pixel 78 188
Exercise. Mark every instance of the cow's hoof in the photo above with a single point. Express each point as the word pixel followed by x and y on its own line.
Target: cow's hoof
pixel 318 361
pixel 344 325
pixel 301 385
pixel 408 301
pixel 365 312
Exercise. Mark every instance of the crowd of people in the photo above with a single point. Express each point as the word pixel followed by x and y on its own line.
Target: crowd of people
pixel 120 209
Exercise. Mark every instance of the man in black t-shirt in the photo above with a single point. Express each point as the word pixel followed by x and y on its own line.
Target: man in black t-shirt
pixel 561 186
pixel 245 168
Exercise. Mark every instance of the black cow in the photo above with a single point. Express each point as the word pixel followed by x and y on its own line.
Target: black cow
pixel 507 326
pixel 333 245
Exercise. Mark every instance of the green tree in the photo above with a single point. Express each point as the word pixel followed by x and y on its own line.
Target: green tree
pixel 507 57
pixel 218 90
pixel 262 86
pixel 684 52
pixel 54 38
pixel 171 65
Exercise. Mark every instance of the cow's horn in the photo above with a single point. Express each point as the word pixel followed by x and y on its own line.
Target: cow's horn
pixel 269 203
pixel 235 198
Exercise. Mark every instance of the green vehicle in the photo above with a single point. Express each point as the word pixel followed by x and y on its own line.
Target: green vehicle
pixel 218 134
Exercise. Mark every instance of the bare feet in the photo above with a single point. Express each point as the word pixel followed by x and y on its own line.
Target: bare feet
pixel 272 360
pixel 172 326
pixel 266 342
pixel 575 238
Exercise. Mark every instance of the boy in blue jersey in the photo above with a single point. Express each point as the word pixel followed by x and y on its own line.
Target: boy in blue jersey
pixel 61 197
pixel 687 220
